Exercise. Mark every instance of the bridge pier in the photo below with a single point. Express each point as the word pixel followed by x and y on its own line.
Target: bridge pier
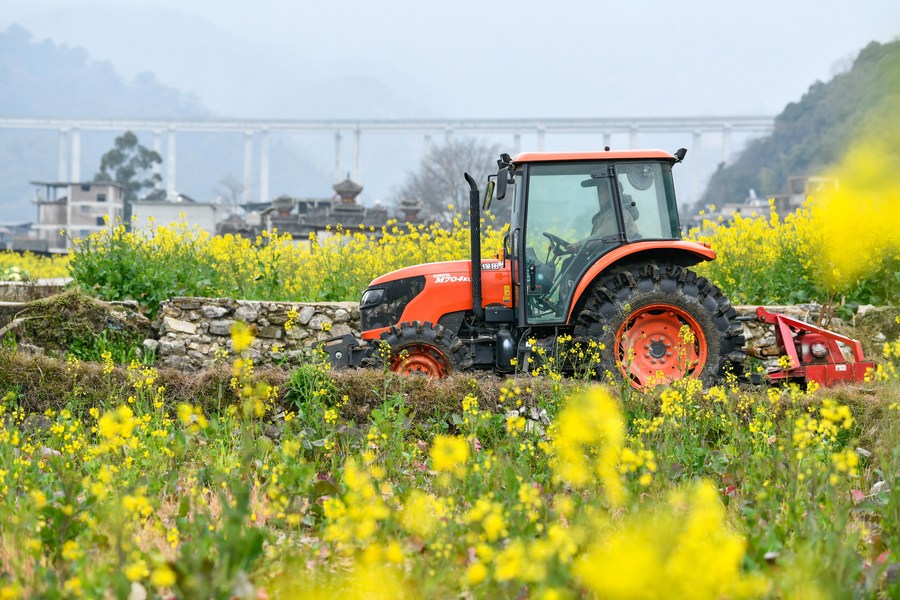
pixel 62 170
pixel 726 144
pixel 337 155
pixel 357 153
pixel 697 150
pixel 248 166
pixel 75 155
pixel 633 137
pixel 170 164
pixel 264 165
pixel 157 147
pixel 357 135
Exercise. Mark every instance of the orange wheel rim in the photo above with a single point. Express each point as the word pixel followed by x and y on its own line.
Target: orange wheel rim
pixel 658 344
pixel 421 359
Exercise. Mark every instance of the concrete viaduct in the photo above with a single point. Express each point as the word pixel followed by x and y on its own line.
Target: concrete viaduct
pixel 257 131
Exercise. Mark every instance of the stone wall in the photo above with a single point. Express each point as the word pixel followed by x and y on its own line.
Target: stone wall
pixel 191 330
pixel 8 311
pixel 25 291
pixel 763 334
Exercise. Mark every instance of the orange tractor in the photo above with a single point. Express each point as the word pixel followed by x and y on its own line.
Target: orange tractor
pixel 595 252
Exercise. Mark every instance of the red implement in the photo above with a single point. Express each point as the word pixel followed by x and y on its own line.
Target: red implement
pixel 814 352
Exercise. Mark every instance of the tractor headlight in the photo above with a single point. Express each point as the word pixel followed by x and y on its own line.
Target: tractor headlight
pixel 383 305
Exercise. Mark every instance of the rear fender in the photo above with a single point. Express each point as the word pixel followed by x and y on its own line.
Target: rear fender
pixel 676 252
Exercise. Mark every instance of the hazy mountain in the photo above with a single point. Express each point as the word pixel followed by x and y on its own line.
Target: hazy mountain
pixel 237 77
pixel 44 79
pixel 814 132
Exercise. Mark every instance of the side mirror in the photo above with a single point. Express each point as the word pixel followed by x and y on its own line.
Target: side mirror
pixel 488 194
pixel 502 179
pixel 503 175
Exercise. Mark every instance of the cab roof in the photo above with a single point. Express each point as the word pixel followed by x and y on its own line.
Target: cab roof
pixel 529 157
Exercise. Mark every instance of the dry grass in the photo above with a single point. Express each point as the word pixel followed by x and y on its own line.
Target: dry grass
pixel 43 382
pixel 367 388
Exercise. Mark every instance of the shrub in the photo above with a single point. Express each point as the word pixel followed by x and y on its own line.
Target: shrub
pixel 176 261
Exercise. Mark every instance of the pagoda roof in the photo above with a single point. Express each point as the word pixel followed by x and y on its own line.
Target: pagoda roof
pixel 347 187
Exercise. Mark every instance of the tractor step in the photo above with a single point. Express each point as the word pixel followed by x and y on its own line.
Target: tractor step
pixel 343 351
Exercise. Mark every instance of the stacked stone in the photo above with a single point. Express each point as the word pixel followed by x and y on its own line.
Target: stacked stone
pixel 762 335
pixel 190 331
pixel 26 291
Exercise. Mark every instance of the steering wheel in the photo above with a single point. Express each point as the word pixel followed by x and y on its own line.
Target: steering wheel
pixel 557 244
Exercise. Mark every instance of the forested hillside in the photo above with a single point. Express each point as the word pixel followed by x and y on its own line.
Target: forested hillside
pixel 812 134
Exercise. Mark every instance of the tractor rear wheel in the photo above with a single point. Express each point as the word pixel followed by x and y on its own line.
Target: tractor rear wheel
pixel 661 322
pixel 419 349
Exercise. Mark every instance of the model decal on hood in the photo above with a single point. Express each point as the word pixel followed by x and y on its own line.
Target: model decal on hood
pixel 448 278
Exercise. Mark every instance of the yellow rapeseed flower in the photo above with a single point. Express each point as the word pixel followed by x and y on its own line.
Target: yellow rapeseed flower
pixel 682 550
pixel 449 454
pixel 162 577
pixel 590 433
pixel 476 573
pixel 241 336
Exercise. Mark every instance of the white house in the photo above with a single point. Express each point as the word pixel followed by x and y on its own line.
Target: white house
pixel 184 209
pixel 83 210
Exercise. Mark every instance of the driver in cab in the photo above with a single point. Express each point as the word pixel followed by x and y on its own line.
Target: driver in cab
pixel 603 223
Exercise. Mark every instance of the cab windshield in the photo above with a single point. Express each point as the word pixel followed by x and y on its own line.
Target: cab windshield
pixel 578 211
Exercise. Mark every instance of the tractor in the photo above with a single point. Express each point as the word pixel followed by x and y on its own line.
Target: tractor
pixel 594 252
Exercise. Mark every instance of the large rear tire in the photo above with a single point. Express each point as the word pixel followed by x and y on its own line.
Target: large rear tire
pixel 419 349
pixel 661 322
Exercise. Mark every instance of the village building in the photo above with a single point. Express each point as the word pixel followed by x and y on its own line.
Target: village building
pixel 302 217
pixel 69 210
pixel 147 214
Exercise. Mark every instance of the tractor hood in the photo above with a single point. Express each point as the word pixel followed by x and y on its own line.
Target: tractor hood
pixel 428 292
pixel 451 271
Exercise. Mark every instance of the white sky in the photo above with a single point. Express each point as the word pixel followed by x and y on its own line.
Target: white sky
pixel 532 58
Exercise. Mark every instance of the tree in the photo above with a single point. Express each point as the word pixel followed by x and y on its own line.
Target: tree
pixel 131 165
pixel 439 181
pixel 230 191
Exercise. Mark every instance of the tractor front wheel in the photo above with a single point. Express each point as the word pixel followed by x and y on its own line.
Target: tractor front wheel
pixel 659 323
pixel 419 349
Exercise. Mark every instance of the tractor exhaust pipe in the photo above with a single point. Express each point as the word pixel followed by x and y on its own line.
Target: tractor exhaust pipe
pixel 475 231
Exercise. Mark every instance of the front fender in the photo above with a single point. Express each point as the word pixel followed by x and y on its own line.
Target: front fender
pixel 678 251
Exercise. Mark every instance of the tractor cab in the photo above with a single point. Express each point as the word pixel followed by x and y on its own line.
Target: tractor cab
pixel 571 209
